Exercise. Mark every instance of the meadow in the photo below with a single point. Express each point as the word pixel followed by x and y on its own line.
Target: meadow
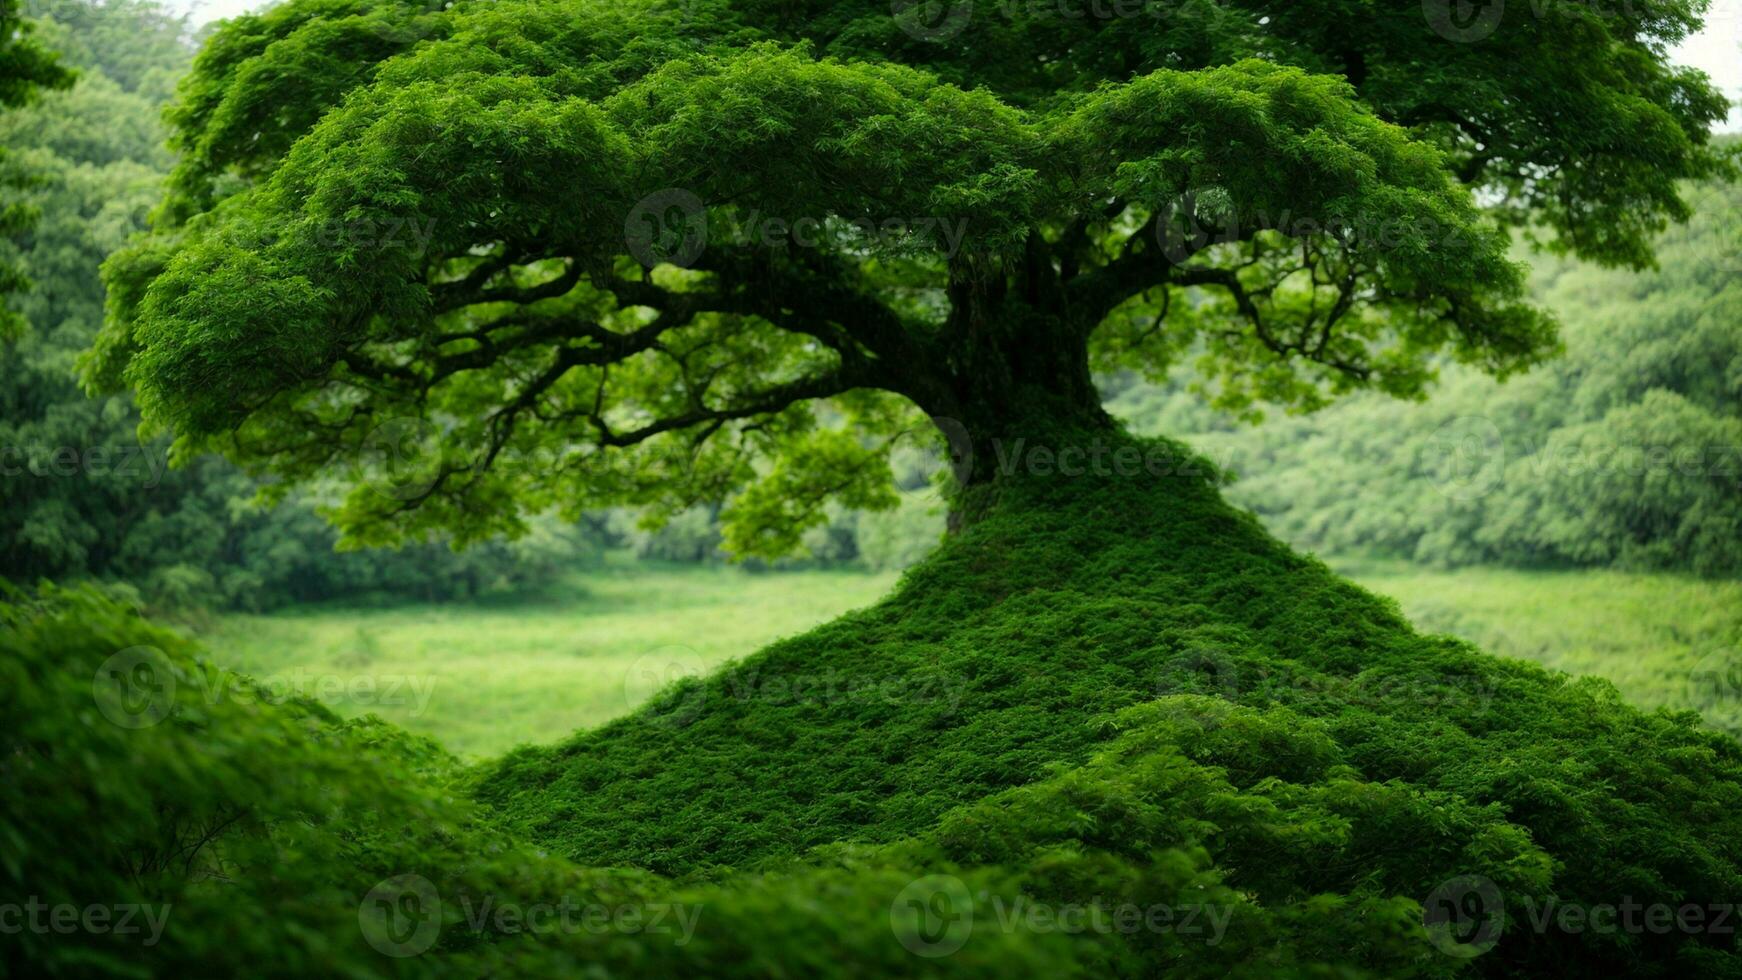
pixel 484 675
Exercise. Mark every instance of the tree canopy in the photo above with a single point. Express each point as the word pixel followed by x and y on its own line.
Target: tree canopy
pixel 506 257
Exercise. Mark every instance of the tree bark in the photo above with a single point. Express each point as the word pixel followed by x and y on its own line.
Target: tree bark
pixel 1014 383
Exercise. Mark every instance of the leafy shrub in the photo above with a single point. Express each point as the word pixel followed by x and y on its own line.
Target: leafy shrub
pixel 223 832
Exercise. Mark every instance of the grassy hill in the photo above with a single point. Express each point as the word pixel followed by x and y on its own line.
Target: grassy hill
pixel 1112 728
pixel 1383 762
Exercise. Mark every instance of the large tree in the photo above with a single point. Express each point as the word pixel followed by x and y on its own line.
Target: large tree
pixel 513 255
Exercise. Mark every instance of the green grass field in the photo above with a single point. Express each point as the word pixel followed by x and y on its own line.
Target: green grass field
pixel 1665 640
pixel 484 676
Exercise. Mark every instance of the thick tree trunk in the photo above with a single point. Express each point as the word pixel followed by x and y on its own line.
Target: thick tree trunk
pixel 1016 394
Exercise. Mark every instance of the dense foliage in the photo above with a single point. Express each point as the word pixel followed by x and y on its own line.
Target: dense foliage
pixel 1348 762
pixel 1625 452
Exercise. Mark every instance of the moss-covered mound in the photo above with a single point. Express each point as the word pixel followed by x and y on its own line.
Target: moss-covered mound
pixel 1334 754
pixel 1112 729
